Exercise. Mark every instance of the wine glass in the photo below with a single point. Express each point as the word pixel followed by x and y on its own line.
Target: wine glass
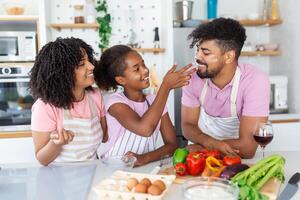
pixel 263 135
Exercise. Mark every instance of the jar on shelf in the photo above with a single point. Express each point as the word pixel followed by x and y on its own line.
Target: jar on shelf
pixel 78 14
pixel 90 11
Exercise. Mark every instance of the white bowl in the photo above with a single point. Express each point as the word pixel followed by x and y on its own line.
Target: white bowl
pixel 271 46
pixel 210 188
pixel 119 162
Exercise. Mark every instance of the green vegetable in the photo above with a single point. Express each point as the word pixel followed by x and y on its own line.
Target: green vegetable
pixel 252 179
pixel 180 155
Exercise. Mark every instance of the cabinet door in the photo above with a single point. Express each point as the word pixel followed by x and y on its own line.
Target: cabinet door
pixel 286 137
pixel 17 150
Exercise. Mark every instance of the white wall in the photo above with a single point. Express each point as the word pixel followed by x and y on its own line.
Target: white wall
pixel 288 63
pixel 238 10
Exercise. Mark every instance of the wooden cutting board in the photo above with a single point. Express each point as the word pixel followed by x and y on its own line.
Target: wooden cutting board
pixel 270 189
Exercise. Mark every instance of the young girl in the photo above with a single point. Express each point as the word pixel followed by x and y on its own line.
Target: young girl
pixel 68 119
pixel 135 119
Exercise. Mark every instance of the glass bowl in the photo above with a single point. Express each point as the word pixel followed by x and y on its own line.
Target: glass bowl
pixel 210 188
pixel 119 162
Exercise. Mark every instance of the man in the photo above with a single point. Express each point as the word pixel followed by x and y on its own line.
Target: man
pixel 225 100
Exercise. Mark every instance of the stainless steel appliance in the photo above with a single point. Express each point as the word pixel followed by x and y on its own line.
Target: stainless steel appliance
pixel 17 46
pixel 278 95
pixel 15 98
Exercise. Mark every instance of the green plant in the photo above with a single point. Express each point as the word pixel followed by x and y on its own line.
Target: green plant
pixel 104 20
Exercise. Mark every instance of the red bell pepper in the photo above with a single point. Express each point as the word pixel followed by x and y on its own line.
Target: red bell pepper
pixel 180 169
pixel 195 163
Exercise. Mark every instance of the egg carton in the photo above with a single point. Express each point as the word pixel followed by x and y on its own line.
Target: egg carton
pixel 115 187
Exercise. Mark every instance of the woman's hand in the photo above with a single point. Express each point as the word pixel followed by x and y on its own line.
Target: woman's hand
pixel 176 79
pixel 140 159
pixel 61 137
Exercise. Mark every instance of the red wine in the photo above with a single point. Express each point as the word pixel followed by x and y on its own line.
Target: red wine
pixel 263 140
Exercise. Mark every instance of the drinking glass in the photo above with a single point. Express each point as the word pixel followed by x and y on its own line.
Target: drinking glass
pixel 263 135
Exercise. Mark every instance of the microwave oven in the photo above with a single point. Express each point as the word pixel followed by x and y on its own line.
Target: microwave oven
pixel 17 46
pixel 278 95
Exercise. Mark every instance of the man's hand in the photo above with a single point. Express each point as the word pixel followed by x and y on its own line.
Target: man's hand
pixel 61 137
pixel 194 147
pixel 223 147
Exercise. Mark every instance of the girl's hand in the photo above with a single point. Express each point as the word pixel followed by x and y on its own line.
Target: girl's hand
pixel 140 159
pixel 61 137
pixel 176 79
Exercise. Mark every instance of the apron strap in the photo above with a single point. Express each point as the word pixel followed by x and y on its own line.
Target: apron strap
pixel 92 105
pixel 233 95
pixel 234 92
pixel 203 93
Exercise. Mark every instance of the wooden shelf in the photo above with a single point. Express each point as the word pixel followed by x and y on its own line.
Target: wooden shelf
pixel 16 134
pixel 150 50
pixel 260 53
pixel 70 25
pixel 256 22
pixel 260 22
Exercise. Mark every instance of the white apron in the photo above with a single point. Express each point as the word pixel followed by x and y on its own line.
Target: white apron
pixel 130 141
pixel 87 138
pixel 217 127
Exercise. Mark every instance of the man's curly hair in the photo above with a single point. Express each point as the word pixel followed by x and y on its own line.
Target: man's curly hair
pixel 229 34
pixel 52 78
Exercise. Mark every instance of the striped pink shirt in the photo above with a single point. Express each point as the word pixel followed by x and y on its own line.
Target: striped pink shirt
pixel 115 129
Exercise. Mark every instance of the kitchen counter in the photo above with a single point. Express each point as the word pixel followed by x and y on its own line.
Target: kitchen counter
pixel 15 134
pixel 74 180
pixel 284 118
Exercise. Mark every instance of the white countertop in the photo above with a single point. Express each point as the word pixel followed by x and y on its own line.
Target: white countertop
pixel 74 181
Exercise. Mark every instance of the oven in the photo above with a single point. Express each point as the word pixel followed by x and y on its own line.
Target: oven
pixel 15 98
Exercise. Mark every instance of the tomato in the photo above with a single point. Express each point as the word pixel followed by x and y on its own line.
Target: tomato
pixel 231 160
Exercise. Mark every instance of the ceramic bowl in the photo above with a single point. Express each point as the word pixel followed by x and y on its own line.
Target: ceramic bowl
pixel 271 46
pixel 210 188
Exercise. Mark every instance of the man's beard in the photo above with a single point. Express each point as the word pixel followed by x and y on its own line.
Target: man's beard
pixel 205 74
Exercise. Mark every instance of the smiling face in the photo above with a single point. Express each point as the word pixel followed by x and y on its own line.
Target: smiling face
pixel 84 76
pixel 210 59
pixel 136 74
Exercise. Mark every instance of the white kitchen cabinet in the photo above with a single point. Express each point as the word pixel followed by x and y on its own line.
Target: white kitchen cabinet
pixel 286 137
pixel 17 150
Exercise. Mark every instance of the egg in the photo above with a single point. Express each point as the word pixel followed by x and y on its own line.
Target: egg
pixel 154 190
pixel 160 184
pixel 146 182
pixel 131 183
pixel 140 188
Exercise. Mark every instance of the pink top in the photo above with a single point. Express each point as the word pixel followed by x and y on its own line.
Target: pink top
pixel 252 99
pixel 115 129
pixel 45 117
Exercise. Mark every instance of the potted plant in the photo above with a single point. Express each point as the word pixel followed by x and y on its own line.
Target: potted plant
pixel 104 20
